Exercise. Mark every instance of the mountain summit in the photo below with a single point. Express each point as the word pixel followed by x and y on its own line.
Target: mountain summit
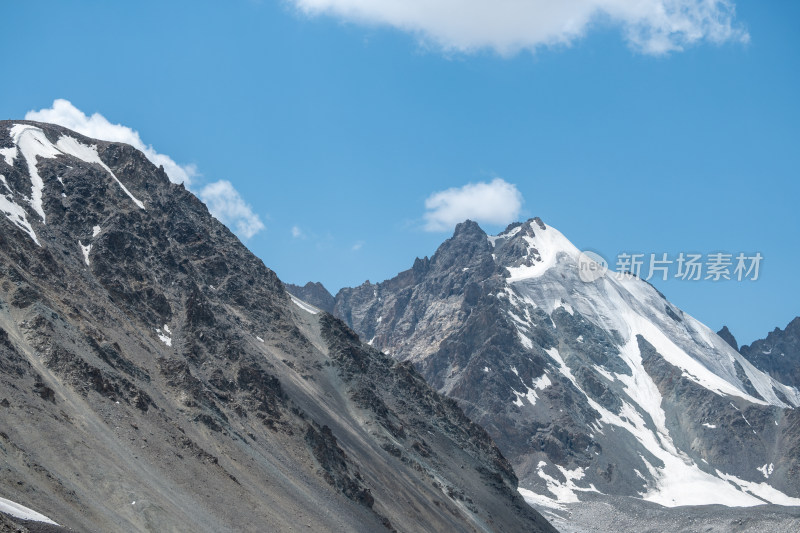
pixel 155 375
pixel 593 389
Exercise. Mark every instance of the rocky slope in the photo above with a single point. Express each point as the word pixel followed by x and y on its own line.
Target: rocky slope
pixel 155 375
pixel 591 388
pixel 779 354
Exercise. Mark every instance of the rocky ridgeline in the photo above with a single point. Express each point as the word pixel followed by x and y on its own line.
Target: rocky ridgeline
pixel 778 354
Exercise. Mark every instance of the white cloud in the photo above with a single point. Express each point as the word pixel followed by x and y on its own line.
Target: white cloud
pixel 357 246
pixel 222 199
pixel 227 205
pixel 297 233
pixel 497 202
pixel 97 126
pixel 508 26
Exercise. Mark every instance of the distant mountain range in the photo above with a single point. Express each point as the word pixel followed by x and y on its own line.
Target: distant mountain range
pixel 595 390
pixel 156 376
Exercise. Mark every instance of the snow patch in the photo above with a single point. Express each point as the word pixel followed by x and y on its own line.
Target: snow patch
pixel 95 231
pixel 24 513
pixel 538 500
pixel 15 213
pixel 565 305
pixel 163 337
pixel 709 426
pixel 526 342
pixel 542 382
pixel 766 470
pixel 85 249
pixel 9 154
pixel 564 491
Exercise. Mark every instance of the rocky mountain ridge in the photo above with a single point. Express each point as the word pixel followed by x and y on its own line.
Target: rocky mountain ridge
pixel 592 389
pixel 778 354
pixel 155 375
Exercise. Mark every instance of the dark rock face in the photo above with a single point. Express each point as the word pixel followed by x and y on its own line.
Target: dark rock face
pixel 314 293
pixel 728 337
pixel 154 374
pixel 778 354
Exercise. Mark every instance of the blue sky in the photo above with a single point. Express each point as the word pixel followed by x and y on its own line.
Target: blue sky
pixel 335 122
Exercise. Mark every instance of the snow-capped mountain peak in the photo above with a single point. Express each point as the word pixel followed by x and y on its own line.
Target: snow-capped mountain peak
pixel 601 385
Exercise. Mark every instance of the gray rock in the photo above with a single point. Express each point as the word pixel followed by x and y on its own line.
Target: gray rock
pixel 728 337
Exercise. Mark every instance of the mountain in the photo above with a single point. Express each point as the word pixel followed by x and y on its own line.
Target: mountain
pixel 156 376
pixel 726 335
pixel 314 293
pixel 595 390
pixel 779 354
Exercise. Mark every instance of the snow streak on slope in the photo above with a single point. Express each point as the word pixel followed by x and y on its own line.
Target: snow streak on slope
pixel 20 511
pixel 628 308
pixel 304 306
pixel 32 143
pixel 14 212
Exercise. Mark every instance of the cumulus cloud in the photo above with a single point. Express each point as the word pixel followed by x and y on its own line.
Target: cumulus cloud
pixel 497 202
pixel 227 205
pixel 508 26
pixel 222 199
pixel 97 126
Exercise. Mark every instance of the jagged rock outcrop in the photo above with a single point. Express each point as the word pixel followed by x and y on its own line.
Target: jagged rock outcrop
pixel 155 375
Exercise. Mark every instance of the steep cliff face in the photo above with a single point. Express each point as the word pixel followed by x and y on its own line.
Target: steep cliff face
pixel 591 388
pixel 155 375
